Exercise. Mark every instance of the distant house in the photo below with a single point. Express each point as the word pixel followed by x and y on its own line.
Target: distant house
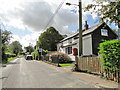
pixel 91 38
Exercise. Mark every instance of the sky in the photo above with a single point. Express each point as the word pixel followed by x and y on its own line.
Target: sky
pixel 27 19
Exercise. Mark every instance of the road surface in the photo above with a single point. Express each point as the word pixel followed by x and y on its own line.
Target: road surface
pixel 22 73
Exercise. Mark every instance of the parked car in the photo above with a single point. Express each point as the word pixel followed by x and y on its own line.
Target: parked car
pixel 29 57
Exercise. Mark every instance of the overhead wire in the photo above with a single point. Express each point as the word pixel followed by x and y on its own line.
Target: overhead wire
pixel 58 8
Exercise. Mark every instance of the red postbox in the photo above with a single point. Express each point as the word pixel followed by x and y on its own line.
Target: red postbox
pixel 75 51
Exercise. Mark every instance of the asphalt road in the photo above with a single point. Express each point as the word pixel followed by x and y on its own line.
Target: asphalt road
pixel 21 73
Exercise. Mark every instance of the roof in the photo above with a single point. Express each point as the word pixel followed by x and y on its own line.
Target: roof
pixel 74 43
pixel 89 30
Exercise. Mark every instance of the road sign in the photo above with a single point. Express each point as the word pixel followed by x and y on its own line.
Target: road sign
pixel 40 49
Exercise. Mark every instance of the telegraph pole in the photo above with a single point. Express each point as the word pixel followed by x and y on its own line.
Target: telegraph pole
pixel 80 28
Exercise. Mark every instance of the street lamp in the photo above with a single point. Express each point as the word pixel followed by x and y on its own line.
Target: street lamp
pixel 71 4
pixel 80 25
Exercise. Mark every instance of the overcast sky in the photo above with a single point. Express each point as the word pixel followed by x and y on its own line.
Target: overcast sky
pixel 27 19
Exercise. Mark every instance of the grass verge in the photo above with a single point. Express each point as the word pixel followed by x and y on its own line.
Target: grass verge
pixel 67 64
pixel 12 58
pixel 60 64
pixel 9 59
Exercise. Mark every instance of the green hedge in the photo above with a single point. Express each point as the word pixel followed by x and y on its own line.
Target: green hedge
pixel 36 53
pixel 10 55
pixel 44 52
pixel 7 56
pixel 4 56
pixel 110 52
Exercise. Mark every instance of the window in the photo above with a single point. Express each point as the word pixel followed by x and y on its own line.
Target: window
pixel 69 50
pixel 104 32
pixel 66 50
pixel 70 40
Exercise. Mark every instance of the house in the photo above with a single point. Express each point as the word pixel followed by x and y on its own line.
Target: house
pixel 91 38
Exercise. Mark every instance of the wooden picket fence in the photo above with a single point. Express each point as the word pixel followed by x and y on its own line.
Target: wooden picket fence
pixel 94 65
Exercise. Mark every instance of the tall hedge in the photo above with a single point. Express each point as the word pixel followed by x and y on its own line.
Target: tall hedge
pixel 110 52
pixel 36 53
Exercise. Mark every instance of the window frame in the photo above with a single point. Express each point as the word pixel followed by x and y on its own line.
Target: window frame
pixel 69 50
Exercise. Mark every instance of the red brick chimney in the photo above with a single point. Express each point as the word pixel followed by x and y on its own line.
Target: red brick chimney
pixel 86 25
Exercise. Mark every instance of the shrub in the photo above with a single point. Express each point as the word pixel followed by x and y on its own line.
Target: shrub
pixel 110 52
pixel 33 54
pixel 10 55
pixel 36 53
pixel 62 57
pixel 44 52
pixel 4 56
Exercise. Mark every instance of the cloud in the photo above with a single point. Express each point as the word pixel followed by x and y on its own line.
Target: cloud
pixel 35 14
pixel 15 38
pixel 30 39
pixel 26 40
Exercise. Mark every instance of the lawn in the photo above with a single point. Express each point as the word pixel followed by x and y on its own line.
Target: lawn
pixel 67 64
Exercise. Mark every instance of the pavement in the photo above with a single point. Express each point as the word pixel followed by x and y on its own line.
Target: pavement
pixel 96 80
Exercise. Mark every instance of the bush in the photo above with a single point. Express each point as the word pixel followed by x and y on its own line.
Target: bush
pixel 62 57
pixel 4 56
pixel 110 52
pixel 22 53
pixel 44 52
pixel 35 55
pixel 10 55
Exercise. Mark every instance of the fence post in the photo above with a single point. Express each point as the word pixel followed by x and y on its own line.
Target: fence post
pixel 58 60
pixel 76 62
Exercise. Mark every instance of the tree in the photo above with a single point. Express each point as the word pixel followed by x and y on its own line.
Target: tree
pixel 109 12
pixel 49 39
pixel 6 36
pixel 15 47
pixel 29 49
